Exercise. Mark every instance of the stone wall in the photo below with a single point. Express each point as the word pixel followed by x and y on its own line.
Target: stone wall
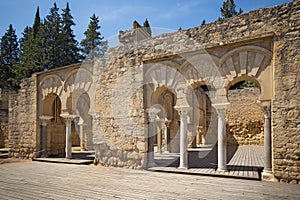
pixel 286 107
pixel 23 129
pixel 244 117
pixel 4 95
pixel 119 131
pixel 120 122
pixel 283 22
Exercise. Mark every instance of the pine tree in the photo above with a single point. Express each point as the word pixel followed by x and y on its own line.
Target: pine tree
pixel 93 45
pixel 53 50
pixel 10 53
pixel 69 44
pixel 147 27
pixel 228 9
pixel 203 22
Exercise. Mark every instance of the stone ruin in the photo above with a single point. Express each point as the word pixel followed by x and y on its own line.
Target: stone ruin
pixel 177 83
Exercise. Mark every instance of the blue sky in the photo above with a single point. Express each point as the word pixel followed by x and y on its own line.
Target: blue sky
pixel 119 15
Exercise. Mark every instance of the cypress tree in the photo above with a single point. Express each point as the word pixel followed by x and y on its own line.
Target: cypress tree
pixel 69 44
pixel 37 22
pixel 32 52
pixel 10 53
pixel 53 50
pixel 93 45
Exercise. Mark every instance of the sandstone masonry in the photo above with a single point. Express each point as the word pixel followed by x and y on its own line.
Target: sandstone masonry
pixel 260 46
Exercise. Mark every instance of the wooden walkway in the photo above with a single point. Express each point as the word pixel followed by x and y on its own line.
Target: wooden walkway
pixel 245 162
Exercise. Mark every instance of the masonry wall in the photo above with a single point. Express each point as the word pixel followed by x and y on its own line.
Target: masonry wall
pixel 119 128
pixel 4 95
pixel 284 23
pixel 286 107
pixel 244 118
pixel 23 121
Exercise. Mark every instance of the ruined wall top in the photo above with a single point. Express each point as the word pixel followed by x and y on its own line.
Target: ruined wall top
pixel 136 34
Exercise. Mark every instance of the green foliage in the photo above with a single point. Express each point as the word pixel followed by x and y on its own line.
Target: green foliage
pixel 47 44
pixel 243 84
pixel 203 22
pixel 93 45
pixel 147 27
pixel 69 45
pixel 228 9
pixel 32 51
pixel 37 22
pixel 9 59
pixel 53 39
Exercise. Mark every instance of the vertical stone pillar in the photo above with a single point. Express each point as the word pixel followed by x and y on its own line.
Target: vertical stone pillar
pixel 183 111
pixel 68 119
pixel 44 120
pixel 159 137
pixel 222 138
pixel 151 133
pixel 82 135
pixel 167 135
pixel 68 139
pixel 267 172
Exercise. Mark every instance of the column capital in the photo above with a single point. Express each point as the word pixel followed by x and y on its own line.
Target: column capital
pixel 81 122
pixel 266 107
pixel 44 119
pixel 68 117
pixel 167 123
pixel 152 112
pixel 221 108
pixel 183 110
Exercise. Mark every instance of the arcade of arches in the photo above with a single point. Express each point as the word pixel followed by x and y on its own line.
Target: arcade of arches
pixel 170 94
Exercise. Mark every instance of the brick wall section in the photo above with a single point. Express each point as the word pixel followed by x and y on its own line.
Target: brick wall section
pixel 244 117
pixel 23 121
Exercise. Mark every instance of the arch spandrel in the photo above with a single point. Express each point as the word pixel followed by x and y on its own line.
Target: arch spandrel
pixel 251 63
pixel 77 82
pixel 51 84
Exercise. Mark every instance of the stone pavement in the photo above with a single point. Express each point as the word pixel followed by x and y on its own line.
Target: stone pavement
pixel 39 180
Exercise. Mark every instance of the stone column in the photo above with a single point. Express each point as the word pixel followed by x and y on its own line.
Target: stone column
pixel 68 119
pixel 267 172
pixel 222 138
pixel 44 120
pixel 82 135
pixel 183 111
pixel 159 137
pixel 151 133
pixel 167 135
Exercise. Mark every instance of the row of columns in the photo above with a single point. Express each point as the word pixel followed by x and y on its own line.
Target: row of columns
pixel 222 138
pixel 68 120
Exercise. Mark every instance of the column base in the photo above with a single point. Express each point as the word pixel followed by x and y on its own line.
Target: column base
pixel 151 164
pixel 222 169
pixel 268 176
pixel 182 167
